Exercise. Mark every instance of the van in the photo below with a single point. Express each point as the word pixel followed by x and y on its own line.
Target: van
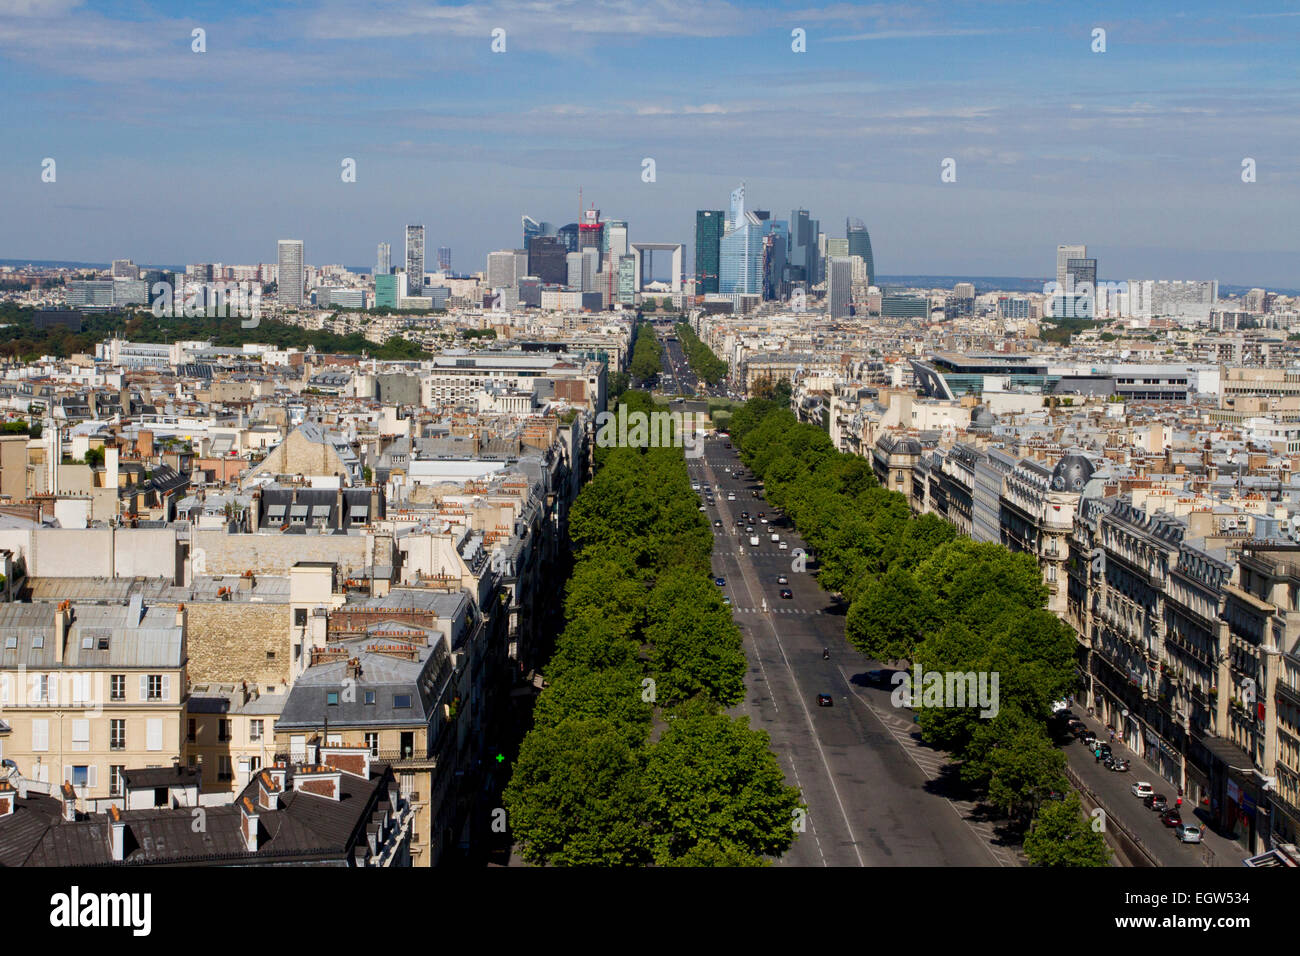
pixel 753 540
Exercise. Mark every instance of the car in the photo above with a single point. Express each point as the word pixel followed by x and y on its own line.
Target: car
pixel 1142 789
pixel 731 496
pixel 1105 751
pixel 763 520
pixel 1187 833
pixel 703 508
pixel 825 700
pixel 1171 818
pixel 753 540
pixel 745 515
pixel 749 529
pixel 782 546
pixel 782 579
pixel 879 676
pixel 1119 766
pixel 761 515
pixel 787 594
pixel 726 600
pixel 776 537
pixel 754 493
pixel 718 523
pixel 695 486
pixel 728 445
pixel 1157 802
pixel 720 582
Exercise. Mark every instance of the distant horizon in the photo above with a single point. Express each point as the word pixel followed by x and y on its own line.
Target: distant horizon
pixel 990 283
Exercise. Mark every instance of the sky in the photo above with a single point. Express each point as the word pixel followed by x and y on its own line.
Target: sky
pixel 167 155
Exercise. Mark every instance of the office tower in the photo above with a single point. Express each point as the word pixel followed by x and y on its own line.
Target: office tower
pixel 521 264
pixel 839 286
pixel 546 260
pixel 803 255
pixel 201 272
pixel 414 260
pixel 860 245
pixel 390 289
pixel 627 280
pixel 590 266
pixel 530 291
pixel 776 245
pixel 573 267
pixel 741 258
pixel 568 236
pixel 737 208
pixel 964 290
pixel 291 277
pixel 384 259
pixel 1081 271
pixel 533 228
pixel 500 272
pixel 590 231
pixel 125 269
pixel 836 247
pixel 1064 254
pixel 709 228
pixel 614 243
pixel 444 259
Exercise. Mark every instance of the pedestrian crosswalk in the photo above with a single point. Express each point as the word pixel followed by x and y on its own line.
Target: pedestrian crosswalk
pixel 773 610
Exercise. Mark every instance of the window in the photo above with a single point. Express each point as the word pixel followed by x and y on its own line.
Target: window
pixel 193 733
pixel 255 730
pixel 116 779
pixel 81 735
pixel 370 697
pixel 41 735
pixel 270 655
pixel 153 733
pixel 223 729
pixel 332 698
pixel 372 741
pixel 300 617
pixel 254 764
pixel 155 687
pixel 223 768
pixel 402 701
pixel 117 687
pixel 117 735
pixel 80 776
pixel 40 684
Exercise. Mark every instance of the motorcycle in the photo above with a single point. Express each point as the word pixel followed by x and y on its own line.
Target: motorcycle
pixel 826 653
pixel 1119 766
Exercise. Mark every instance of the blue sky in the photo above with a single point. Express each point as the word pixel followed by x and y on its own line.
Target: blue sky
pixel 166 155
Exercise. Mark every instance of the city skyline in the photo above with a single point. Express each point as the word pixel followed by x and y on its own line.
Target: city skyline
pixel 1110 143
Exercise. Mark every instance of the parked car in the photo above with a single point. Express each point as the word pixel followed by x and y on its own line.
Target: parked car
pixel 1157 802
pixel 825 700
pixel 1142 789
pixel 726 600
pixel 1171 818
pixel 720 582
pixel 718 523
pixel 1188 833
pixel 1105 751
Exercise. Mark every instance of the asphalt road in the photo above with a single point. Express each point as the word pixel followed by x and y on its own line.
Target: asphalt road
pixel 677 377
pixel 875 795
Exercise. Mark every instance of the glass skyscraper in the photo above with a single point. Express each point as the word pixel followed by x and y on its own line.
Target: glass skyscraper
pixel 708 239
pixel 741 258
pixel 803 255
pixel 860 245
pixel 291 283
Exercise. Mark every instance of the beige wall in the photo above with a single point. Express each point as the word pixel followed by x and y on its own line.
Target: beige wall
pixel 229 642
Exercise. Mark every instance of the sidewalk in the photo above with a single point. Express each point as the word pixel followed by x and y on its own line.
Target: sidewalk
pixel 1116 796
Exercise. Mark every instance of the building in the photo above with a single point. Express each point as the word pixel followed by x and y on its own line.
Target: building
pixel 91 294
pixel 1064 253
pixel 384 259
pixel 741 258
pixel 839 286
pixel 709 226
pixel 444 259
pixel 415 260
pixel 860 245
pixel 804 253
pixel 292 283
pixel 546 260
pixel 390 289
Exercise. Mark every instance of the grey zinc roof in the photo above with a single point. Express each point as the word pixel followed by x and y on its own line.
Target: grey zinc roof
pixel 157 642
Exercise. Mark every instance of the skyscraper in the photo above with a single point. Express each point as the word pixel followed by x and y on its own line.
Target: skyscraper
pixel 860 245
pixel 614 244
pixel 568 236
pixel 803 253
pixel 290 284
pixel 708 237
pixel 737 212
pixel 839 285
pixel 546 260
pixel 501 269
pixel 741 258
pixel 444 258
pixel 776 244
pixel 414 260
pixel 384 259
pixel 1064 254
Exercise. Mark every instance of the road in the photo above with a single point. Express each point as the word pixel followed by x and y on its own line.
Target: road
pixel 677 377
pixel 876 795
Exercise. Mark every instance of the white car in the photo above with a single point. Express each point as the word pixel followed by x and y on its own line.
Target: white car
pixel 731 497
pixel 783 546
pixel 695 486
pixel 775 537
pixel 753 540
pixel 1143 789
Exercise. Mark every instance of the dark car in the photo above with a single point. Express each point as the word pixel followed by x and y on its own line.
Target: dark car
pixel 787 594
pixel 824 700
pixel 1171 818
pixel 1156 801
pixel 1105 751
pixel 720 582
pixel 718 523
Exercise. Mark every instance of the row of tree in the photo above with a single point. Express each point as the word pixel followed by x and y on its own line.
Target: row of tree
pixel 646 353
pixel 631 759
pixel 920 594
pixel 707 366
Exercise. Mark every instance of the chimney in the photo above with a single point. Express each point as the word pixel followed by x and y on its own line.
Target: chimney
pixel 8 797
pixel 116 834
pixel 278 773
pixel 181 616
pixel 353 760
pixel 319 780
pixel 254 510
pixel 248 824
pixel 268 792
pixel 340 516
pixel 69 802
pixel 62 618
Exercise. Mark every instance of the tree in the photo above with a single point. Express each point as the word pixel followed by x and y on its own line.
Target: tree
pixel 714 783
pixel 1062 836
pixel 1012 758
pixel 889 619
pixel 578 797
